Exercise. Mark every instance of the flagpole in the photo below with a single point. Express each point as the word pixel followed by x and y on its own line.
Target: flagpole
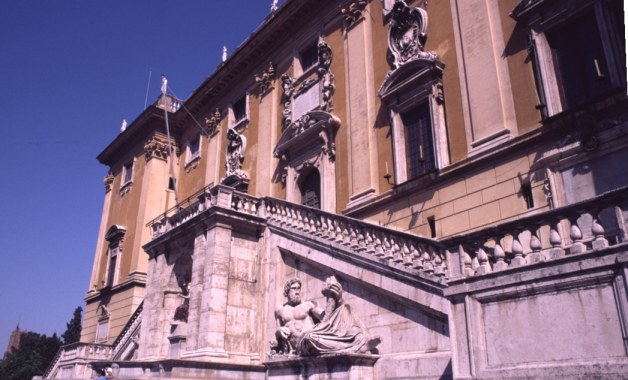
pixel 164 88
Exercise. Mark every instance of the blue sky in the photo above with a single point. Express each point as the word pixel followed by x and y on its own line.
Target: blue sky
pixel 70 71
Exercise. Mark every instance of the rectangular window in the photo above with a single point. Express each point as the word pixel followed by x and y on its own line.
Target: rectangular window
pixel 419 144
pixel 308 57
pixel 577 51
pixel 239 110
pixel 112 266
pixel 194 149
pixel 127 173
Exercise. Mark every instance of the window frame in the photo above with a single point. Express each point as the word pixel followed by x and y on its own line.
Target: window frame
pixel 128 167
pixel 233 122
pixel 541 20
pixel 191 156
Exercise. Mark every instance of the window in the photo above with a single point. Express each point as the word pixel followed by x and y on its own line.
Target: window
pixel 577 50
pixel 311 189
pixel 112 265
pixel 419 144
pixel 308 57
pixel 193 149
pixel 239 112
pixel 413 93
pixel 127 173
pixel 115 237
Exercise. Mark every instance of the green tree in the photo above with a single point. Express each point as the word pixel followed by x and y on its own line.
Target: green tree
pixel 31 358
pixel 72 333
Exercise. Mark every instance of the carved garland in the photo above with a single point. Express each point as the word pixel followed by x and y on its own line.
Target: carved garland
pixel 108 181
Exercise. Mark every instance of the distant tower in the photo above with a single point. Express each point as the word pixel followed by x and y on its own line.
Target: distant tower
pixel 224 53
pixel 14 340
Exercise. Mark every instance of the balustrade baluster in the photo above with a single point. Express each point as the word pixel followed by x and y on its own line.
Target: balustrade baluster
pixel 379 249
pixel 556 241
pixel 599 241
pixel 439 269
pixel 483 261
pixel 338 231
pixel 346 238
pixel 417 263
pixel 353 237
pixel 387 248
pixel 535 245
pixel 325 226
pixel 500 257
pixel 303 221
pixel 396 250
pixel 467 262
pixel 405 253
pixel 428 266
pixel 517 250
pixel 370 243
pixel 312 220
pixel 575 234
pixel 361 240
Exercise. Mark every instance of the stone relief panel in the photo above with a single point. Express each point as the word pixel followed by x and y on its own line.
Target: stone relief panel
pixel 266 78
pixel 212 123
pixel 156 148
pixel 352 12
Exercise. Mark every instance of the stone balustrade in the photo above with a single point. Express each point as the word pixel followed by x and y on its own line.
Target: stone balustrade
pixel 583 227
pixel 74 351
pixel 382 244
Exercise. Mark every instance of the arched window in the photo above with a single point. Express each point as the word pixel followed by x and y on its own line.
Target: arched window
pixel 311 189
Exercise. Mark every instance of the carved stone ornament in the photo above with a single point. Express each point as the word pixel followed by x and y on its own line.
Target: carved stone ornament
pixel 407 34
pixel 155 148
pixel 288 89
pixel 325 75
pixel 108 181
pixel 265 80
pixel 352 12
pixel 212 123
pixel 314 126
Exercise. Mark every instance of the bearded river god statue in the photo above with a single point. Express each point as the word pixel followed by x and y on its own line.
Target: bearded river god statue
pixel 307 330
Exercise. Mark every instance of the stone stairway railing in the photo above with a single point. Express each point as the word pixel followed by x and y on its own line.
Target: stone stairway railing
pixel 396 248
pixel 74 351
pixel 574 229
pixel 589 225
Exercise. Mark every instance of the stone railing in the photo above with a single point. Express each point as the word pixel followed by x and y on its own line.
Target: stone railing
pixel 182 212
pixel 578 228
pixel 74 351
pixel 395 248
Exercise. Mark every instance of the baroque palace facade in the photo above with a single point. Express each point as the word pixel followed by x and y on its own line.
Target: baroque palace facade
pixel 445 179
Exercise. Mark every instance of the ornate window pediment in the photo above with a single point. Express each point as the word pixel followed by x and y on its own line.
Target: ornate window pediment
pixel 413 91
pixel 314 125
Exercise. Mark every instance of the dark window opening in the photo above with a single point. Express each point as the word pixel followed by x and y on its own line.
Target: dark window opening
pixel 239 109
pixel 128 173
pixel 431 221
pixel 419 144
pixel 195 148
pixel 311 190
pixel 111 271
pixel 309 57
pixel 170 183
pixel 526 192
pixel 581 68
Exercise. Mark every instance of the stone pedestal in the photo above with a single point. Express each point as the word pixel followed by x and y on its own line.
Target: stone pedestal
pixel 338 366
pixel 177 338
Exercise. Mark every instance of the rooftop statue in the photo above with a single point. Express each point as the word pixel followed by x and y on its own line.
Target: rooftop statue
pixel 304 329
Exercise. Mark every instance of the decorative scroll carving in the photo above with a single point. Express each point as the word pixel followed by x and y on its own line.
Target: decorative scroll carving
pixel 325 75
pixel 305 130
pixel 352 12
pixel 265 80
pixel 288 89
pixel 155 148
pixel 407 34
pixel 235 154
pixel 213 122
pixel 308 330
pixel 108 181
